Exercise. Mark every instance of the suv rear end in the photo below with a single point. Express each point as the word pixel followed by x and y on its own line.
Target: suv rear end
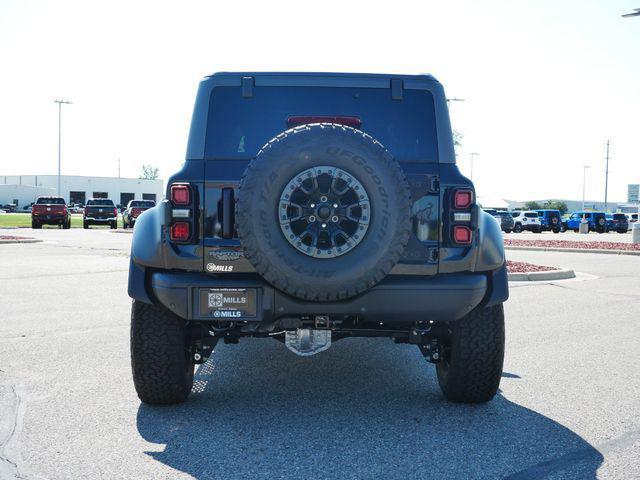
pixel 315 207
pixel 100 211
pixel 550 220
pixel 50 211
pixel 619 223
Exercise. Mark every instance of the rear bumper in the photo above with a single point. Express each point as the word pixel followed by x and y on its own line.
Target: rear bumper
pixel 49 218
pixel 100 220
pixel 397 299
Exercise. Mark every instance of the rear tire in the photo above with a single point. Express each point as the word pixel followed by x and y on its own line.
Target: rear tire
pixel 471 366
pixel 160 359
pixel 517 228
pixel 67 225
pixel 85 225
pixel 114 225
pixel 35 225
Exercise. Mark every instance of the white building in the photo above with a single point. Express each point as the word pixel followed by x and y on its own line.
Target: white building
pixel 24 189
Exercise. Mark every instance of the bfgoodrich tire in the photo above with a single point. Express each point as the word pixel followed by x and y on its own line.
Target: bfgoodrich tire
pixel 323 270
pixel 160 359
pixel 471 366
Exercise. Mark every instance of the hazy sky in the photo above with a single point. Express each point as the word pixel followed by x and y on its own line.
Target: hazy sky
pixel 545 82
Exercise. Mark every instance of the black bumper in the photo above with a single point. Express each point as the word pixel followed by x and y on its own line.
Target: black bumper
pixel 397 299
pixel 49 219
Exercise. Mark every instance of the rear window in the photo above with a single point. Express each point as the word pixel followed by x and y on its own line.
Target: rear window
pixel 531 215
pixel 619 216
pixel 101 202
pixel 142 204
pixel 238 127
pixel 51 201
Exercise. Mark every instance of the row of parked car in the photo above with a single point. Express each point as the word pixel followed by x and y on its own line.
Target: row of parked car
pixel 538 221
pixel 97 211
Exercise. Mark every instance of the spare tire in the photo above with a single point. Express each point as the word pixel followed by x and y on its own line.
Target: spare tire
pixel 323 212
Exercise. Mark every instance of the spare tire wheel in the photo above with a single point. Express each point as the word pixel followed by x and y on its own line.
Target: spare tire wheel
pixel 323 212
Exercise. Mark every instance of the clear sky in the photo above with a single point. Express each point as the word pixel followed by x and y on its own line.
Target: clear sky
pixel 545 82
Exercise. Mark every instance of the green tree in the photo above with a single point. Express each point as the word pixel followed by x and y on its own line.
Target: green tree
pixel 457 138
pixel 531 205
pixel 556 205
pixel 149 172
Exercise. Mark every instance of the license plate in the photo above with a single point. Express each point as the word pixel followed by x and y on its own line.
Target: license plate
pixel 100 210
pixel 48 209
pixel 228 302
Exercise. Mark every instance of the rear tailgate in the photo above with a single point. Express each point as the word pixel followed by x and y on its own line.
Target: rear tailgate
pixel 241 120
pixel 48 209
pixel 99 212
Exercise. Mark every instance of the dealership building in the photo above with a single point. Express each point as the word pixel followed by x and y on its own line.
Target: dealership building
pixel 22 190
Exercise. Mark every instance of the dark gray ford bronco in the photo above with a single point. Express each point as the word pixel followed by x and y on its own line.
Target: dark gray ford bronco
pixel 313 207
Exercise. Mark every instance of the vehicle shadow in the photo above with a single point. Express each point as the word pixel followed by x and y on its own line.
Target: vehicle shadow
pixel 363 409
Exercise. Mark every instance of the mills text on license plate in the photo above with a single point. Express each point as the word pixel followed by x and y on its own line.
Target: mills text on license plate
pixel 228 302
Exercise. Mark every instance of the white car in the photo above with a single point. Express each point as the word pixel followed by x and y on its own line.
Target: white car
pixel 526 220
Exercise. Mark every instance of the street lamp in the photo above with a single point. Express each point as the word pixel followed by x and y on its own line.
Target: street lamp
pixel 60 102
pixel 472 155
pixel 635 13
pixel 584 178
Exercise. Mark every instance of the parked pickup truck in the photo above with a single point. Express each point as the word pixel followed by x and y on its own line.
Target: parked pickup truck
pixel 50 211
pixel 100 211
pixel 133 210
pixel 314 207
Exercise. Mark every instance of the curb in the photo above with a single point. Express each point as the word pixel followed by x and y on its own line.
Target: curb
pixel 574 250
pixel 561 274
pixel 21 240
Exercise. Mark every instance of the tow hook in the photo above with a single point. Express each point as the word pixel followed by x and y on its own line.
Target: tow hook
pixel 432 351
pixel 428 344
pixel 202 350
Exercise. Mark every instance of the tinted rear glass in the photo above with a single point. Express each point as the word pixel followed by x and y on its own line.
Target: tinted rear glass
pixel 531 215
pixel 101 201
pixel 619 216
pixel 238 127
pixel 143 204
pixel 51 201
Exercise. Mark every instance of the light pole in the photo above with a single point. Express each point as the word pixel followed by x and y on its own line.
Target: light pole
pixel 606 177
pixel 584 179
pixel 60 102
pixel 472 155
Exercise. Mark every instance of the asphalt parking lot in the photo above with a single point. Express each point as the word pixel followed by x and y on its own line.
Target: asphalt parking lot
pixel 569 405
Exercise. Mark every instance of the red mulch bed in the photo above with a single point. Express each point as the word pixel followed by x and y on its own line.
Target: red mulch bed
pixel 572 244
pixel 13 237
pixel 525 267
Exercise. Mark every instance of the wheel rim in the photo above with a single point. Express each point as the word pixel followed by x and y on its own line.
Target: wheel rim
pixel 324 212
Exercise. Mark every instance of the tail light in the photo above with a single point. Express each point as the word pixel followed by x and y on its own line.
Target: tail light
pixel 180 231
pixel 180 194
pixel 463 198
pixel 461 217
pixel 462 234
pixel 115 212
pixel 182 224
pixel 296 120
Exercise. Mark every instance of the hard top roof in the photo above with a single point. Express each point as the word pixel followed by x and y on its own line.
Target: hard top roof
pixel 320 79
